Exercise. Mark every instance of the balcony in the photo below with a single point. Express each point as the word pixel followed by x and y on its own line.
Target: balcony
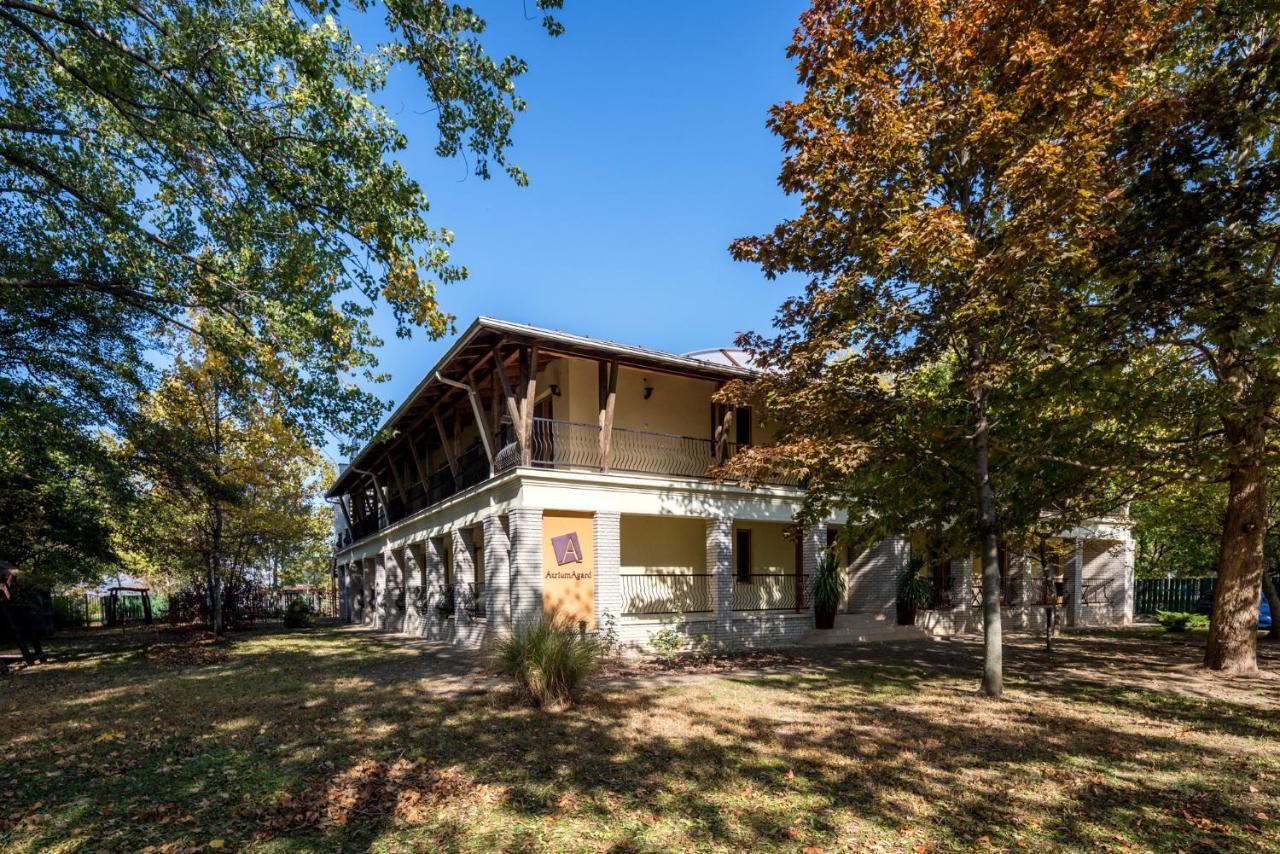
pixel 561 446
pixel 573 445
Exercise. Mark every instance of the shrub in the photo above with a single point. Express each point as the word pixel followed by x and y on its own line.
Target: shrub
pixel 299 615
pixel 1180 621
pixel 549 659
pixel 669 641
pixel 828 584
pixel 914 589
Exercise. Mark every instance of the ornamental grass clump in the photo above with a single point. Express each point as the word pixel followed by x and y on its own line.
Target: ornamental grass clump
pixel 549 659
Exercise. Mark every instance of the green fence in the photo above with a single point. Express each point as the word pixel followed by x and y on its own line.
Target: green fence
pixel 1170 594
pixel 91 609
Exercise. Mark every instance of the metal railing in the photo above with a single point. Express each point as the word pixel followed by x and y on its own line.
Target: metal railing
pixel 769 592
pixel 565 444
pixel 666 593
pixel 556 444
pixel 474 602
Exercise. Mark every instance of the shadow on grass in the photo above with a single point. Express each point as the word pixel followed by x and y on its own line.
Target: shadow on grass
pixel 334 737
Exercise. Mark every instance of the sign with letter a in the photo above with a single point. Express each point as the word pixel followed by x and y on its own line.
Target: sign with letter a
pixel 567 548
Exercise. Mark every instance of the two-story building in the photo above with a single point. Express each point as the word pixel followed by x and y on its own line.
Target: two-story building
pixel 534 471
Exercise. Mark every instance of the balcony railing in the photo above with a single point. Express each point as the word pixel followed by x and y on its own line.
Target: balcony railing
pixel 666 593
pixel 576 445
pixel 566 445
pixel 769 592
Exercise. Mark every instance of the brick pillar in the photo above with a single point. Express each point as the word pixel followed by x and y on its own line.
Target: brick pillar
pixel 344 607
pixel 1130 584
pixel 526 564
pixel 464 575
pixel 377 599
pixel 720 565
pixel 394 616
pixel 497 574
pixel 962 607
pixel 814 543
pixel 608 537
pixel 410 577
pixel 1075 583
pixel 433 580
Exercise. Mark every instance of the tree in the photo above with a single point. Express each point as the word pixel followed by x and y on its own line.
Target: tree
pixel 1193 262
pixel 936 374
pixel 227 158
pixel 1177 529
pixel 227 480
pixel 59 488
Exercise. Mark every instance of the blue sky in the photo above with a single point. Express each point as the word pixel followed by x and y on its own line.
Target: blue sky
pixel 647 152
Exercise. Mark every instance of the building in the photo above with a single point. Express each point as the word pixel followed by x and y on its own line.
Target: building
pixel 533 470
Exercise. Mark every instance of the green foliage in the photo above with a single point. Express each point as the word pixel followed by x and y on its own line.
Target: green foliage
pixel 230 159
pixel 669 641
pixel 227 483
pixel 1181 621
pixel 828 583
pixel 549 659
pixel 61 491
pixel 1178 530
pixel 298 614
pixel 914 589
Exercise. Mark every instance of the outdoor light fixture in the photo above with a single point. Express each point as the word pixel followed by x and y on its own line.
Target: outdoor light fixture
pixel 555 391
pixel 648 390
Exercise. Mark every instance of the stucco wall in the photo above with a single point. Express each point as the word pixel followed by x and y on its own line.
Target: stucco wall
pixel 771 550
pixel 652 544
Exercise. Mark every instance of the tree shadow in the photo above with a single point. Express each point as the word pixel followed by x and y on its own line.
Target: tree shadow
pixel 337 737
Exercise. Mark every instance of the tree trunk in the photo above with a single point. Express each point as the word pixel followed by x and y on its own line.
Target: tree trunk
pixel 1233 630
pixel 215 572
pixel 992 641
pixel 1273 602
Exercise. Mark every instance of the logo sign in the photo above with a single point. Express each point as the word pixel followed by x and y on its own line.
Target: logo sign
pixel 567 548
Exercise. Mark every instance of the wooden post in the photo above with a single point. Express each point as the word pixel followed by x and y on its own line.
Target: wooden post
pixel 608 398
pixel 513 408
pixel 449 455
pixel 346 516
pixel 417 464
pixel 395 477
pixel 530 396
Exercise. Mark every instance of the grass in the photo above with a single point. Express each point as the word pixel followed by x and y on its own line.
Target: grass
pixel 329 739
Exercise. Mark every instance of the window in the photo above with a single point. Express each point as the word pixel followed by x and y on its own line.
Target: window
pixel 742 554
pixel 742 426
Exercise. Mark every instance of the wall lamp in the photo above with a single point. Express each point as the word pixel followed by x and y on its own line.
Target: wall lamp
pixel 555 390
pixel 648 390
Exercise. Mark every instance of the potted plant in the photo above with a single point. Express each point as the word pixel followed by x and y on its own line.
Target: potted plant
pixel 914 592
pixel 828 591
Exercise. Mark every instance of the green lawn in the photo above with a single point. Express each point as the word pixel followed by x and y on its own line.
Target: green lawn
pixel 333 739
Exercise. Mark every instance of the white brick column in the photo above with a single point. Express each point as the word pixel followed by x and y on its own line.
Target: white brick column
pixel 526 564
pixel 344 607
pixel 432 581
pixel 812 546
pixel 464 575
pixel 961 593
pixel 411 577
pixel 1075 584
pixel 720 565
pixel 394 616
pixel 367 591
pixel 1130 583
pixel 378 603
pixel 608 537
pixel 497 574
